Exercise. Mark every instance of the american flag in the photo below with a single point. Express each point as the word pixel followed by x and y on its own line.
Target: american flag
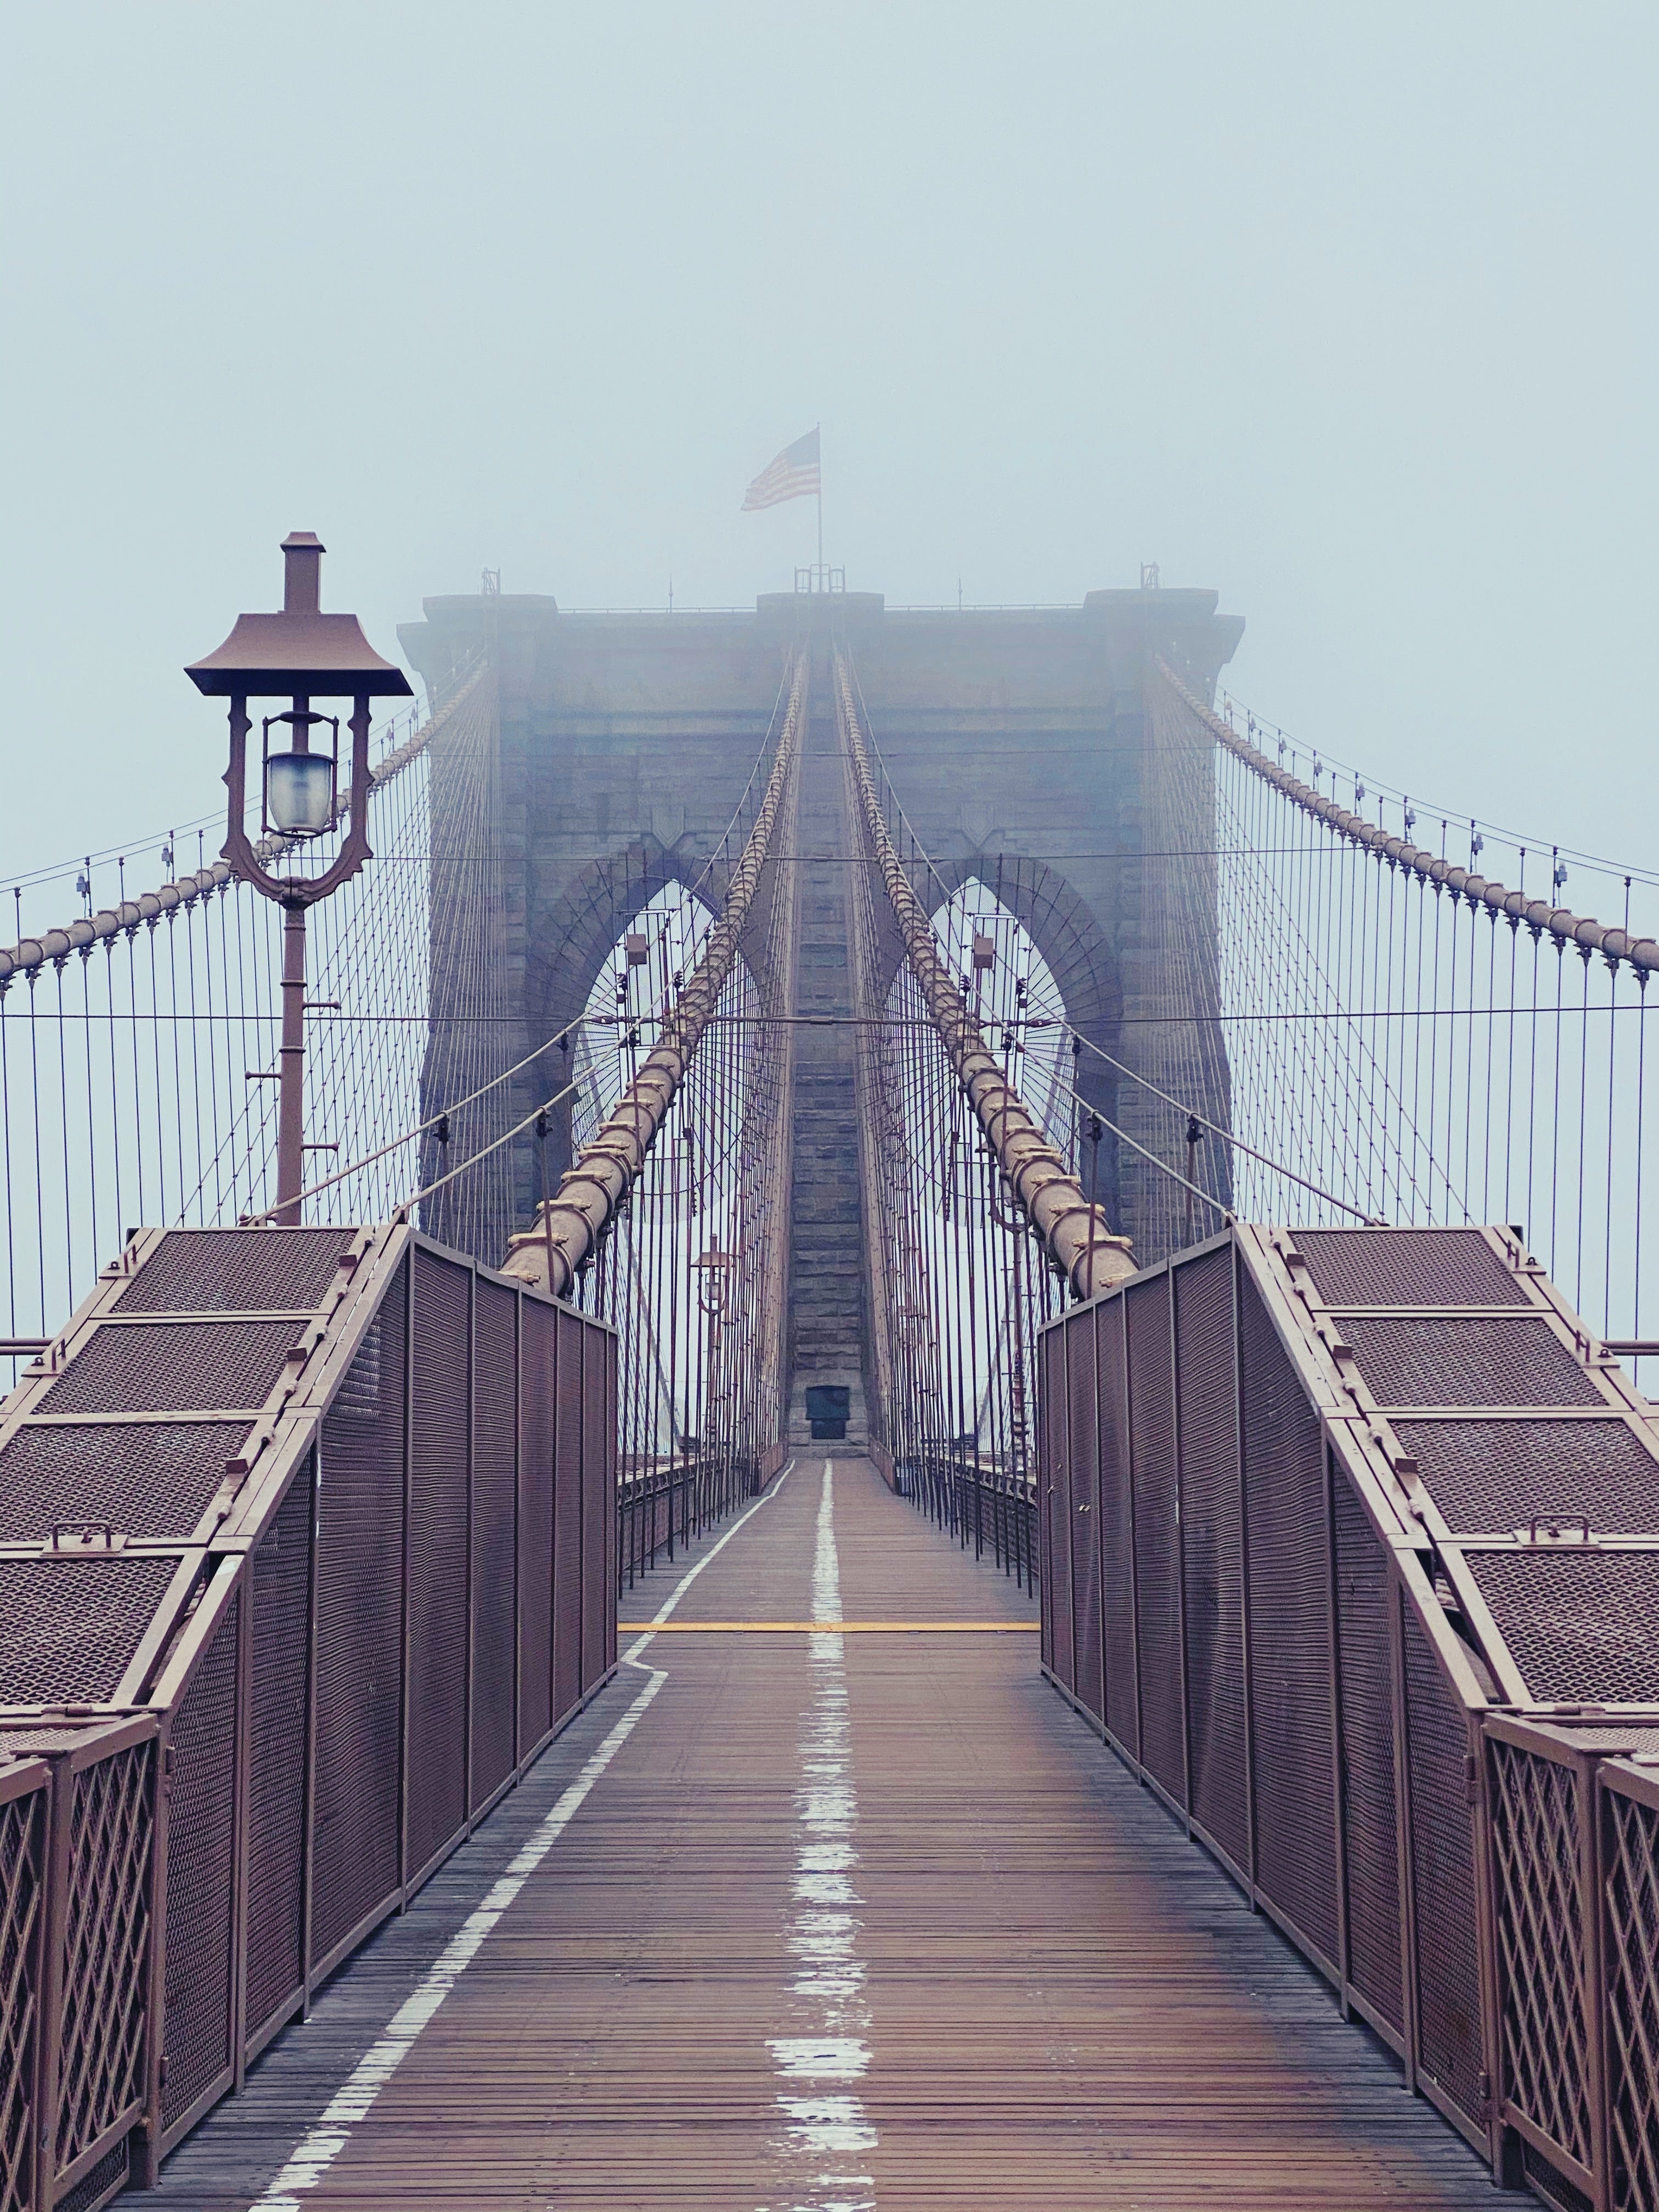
pixel 793 475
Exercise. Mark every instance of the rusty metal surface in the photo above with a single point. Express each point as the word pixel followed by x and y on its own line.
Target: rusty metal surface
pixel 1049 1999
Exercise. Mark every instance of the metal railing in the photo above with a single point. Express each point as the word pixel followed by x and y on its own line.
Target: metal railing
pixel 275 1662
pixel 1574 1839
pixel 987 1508
pixel 78 1833
pixel 1348 1545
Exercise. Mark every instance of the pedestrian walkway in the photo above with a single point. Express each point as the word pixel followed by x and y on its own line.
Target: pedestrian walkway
pixel 805 1919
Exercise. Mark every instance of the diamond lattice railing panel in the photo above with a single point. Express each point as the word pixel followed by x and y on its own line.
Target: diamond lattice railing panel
pixel 105 1943
pixel 1631 1880
pixel 1541 1941
pixel 21 1822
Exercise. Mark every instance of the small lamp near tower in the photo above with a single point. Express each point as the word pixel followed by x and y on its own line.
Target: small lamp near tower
pixel 299 655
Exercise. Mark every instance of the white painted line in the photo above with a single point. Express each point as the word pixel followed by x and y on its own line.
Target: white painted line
pixel 828 2126
pixel 323 2143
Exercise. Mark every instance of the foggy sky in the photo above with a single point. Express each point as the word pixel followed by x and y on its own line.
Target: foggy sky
pixel 1347 312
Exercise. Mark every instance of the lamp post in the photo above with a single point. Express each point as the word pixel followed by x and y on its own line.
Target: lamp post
pixel 299 655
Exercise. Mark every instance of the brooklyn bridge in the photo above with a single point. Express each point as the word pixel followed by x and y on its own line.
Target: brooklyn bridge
pixel 822 1407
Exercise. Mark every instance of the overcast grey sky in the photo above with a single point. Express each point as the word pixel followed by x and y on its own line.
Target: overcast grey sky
pixel 1347 311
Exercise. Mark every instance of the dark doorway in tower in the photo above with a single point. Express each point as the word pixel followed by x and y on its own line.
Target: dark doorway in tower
pixel 827 1405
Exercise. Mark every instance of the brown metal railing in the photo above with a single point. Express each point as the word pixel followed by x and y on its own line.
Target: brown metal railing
pixel 1575 1881
pixel 990 1508
pixel 1294 1570
pixel 306 1645
pixel 77 1821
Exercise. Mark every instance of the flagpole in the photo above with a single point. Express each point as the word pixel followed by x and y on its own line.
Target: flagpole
pixel 818 427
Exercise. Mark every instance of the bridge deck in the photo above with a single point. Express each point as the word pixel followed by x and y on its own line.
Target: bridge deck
pixel 845 1920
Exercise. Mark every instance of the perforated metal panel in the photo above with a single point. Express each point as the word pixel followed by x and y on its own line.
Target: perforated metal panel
pixel 1207 1372
pixel 612 1493
pixel 1051 1436
pixel 105 2178
pixel 149 1478
pixel 105 1941
pixel 567 1518
pixel 173 1367
pixel 1117 1562
pixel 536 1525
pixel 1291 1655
pixel 1056 1597
pixel 1551 2187
pixel 1493 1477
pixel 1369 1799
pixel 1465 1360
pixel 1581 1624
pixel 196 2021
pixel 438 1480
pixel 282 1629
pixel 68 1627
pixel 1158 1533
pixel 1406 1268
pixel 360 1503
pixel 1084 1458
pixel 598 1504
pixel 495 1567
pixel 237 1271
pixel 1447 1962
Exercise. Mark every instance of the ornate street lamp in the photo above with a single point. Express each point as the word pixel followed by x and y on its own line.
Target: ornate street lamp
pixel 301 654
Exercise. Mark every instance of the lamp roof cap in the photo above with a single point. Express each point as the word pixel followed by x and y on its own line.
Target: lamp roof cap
pixel 301 651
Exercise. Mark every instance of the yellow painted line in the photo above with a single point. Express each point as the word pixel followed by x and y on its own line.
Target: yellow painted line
pixel 827 1627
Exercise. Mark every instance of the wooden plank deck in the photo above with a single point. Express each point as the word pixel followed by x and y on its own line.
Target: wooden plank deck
pixel 847 1920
